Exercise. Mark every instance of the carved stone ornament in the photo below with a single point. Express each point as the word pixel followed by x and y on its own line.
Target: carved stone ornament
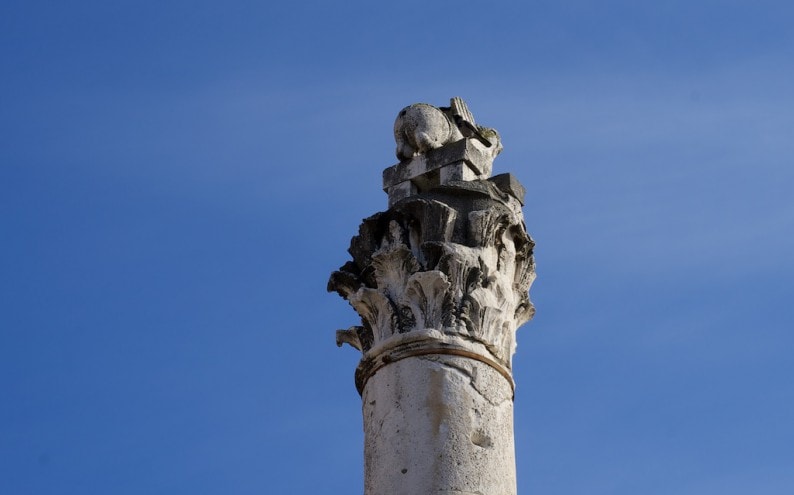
pixel 441 283
pixel 446 271
pixel 420 128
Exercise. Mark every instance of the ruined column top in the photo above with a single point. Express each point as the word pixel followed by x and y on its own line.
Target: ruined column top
pixel 440 282
pixel 447 268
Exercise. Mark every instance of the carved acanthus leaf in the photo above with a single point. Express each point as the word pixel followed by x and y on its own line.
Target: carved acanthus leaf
pixel 344 282
pixel 376 310
pixel 427 295
pixel 392 267
pixel 485 225
pixel 350 336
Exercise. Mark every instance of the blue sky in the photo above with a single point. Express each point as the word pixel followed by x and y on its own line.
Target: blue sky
pixel 178 179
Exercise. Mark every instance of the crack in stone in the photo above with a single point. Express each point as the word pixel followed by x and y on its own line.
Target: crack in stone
pixel 472 380
pixel 384 418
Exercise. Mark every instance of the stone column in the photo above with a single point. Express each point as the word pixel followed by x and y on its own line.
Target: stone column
pixel 440 281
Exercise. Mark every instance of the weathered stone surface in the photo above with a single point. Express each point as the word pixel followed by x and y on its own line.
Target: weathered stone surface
pixel 438 424
pixel 510 185
pixel 421 127
pixel 440 281
pixel 436 146
pixel 469 151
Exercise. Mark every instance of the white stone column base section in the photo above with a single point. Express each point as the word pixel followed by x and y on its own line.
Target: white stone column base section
pixel 438 424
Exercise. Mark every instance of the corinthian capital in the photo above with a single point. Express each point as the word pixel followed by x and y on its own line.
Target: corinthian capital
pixel 443 271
